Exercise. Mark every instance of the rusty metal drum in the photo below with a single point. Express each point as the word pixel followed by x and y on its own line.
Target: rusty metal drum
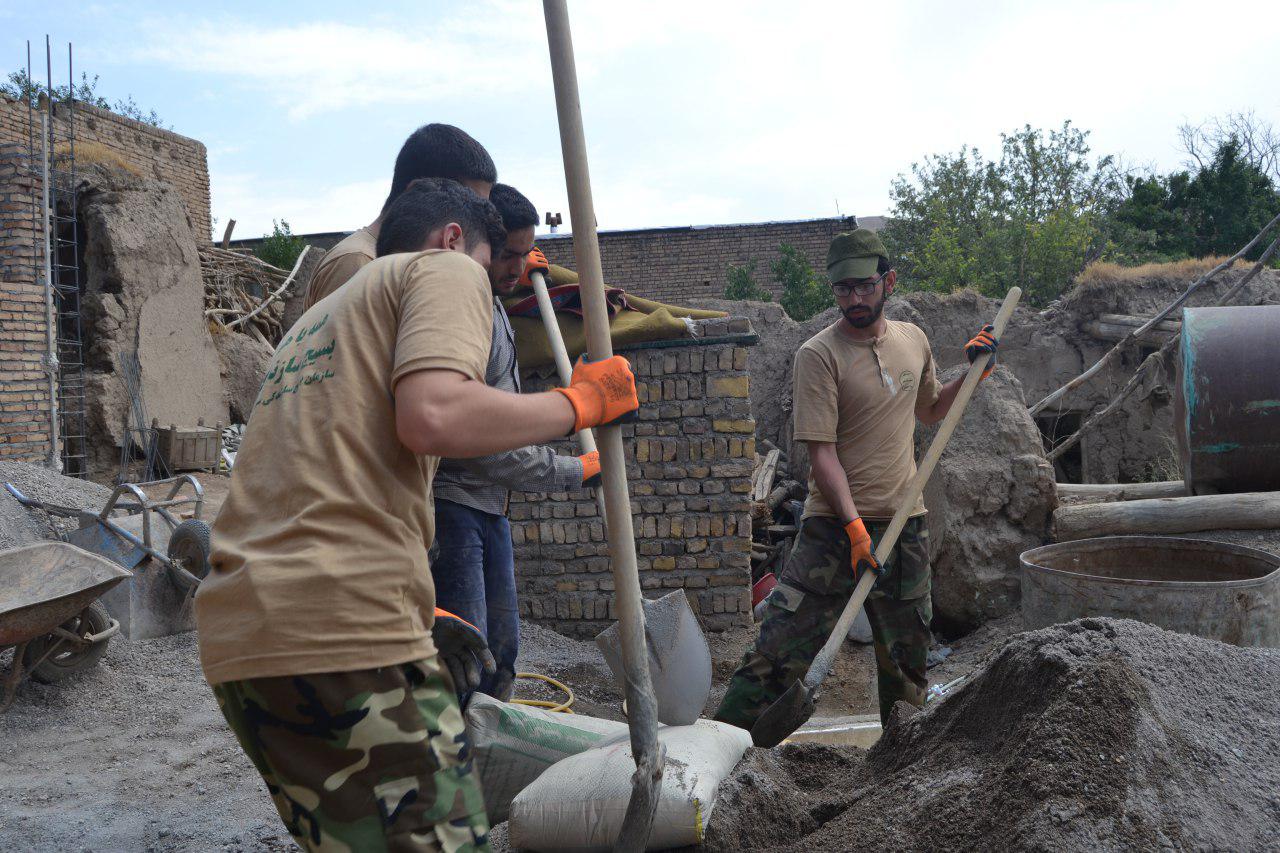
pixel 1227 399
pixel 1210 589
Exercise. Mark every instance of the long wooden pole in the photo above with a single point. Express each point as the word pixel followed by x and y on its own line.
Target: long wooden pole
pixel 642 708
pixel 586 440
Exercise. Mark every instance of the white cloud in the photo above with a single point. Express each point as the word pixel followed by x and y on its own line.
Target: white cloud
pixel 710 111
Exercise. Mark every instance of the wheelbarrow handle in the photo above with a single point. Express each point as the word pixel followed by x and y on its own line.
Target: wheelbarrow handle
pixel 53 509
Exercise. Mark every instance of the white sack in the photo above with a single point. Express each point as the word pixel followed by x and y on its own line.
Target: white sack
pixel 579 804
pixel 513 744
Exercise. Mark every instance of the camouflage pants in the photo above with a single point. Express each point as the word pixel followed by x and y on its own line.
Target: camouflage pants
pixel 371 760
pixel 803 608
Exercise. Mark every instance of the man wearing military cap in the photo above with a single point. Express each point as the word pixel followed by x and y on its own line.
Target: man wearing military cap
pixel 859 386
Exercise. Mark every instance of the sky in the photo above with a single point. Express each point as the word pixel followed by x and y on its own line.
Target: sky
pixel 696 112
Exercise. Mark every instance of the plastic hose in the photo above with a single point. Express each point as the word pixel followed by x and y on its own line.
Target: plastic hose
pixel 560 707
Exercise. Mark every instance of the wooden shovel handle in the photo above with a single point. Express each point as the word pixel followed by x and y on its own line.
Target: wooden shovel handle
pixel 823 660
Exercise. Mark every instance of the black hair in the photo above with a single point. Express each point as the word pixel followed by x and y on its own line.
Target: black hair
pixel 429 203
pixel 517 211
pixel 440 151
pixel 882 264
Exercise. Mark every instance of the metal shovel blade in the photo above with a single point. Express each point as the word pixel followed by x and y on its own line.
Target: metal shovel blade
pixel 679 658
pixel 781 719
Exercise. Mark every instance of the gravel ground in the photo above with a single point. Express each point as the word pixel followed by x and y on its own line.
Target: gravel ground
pixel 133 755
pixel 22 526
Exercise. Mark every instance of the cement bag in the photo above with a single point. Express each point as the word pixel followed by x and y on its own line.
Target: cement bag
pixel 513 744
pixel 579 803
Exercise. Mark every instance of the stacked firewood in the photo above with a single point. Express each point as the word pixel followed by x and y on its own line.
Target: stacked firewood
pixel 236 285
pixel 775 502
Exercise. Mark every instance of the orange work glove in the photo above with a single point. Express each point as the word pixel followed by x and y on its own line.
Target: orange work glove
pixel 860 556
pixel 534 262
pixel 590 469
pixel 601 392
pixel 463 649
pixel 982 344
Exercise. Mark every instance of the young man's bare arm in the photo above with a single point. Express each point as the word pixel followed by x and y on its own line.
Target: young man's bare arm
pixel 832 481
pixel 440 412
pixel 932 414
pixel 443 413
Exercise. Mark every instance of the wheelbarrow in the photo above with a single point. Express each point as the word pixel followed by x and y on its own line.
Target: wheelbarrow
pixel 50 614
pixel 186 558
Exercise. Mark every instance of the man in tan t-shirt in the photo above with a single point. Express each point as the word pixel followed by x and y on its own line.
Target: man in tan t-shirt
pixel 317 619
pixel 859 386
pixel 431 151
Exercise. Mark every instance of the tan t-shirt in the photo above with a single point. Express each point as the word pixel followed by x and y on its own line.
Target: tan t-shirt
pixel 341 263
pixel 320 552
pixel 863 396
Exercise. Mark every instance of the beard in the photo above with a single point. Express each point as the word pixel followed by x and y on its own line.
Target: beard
pixel 867 317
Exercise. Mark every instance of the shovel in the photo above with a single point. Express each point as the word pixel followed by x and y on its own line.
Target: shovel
pixel 795 707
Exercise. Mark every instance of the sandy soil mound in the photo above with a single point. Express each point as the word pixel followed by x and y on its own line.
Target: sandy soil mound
pixel 1095 735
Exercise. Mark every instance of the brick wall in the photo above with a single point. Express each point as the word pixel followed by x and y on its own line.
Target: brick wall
pixel 683 265
pixel 689 462
pixel 177 160
pixel 24 388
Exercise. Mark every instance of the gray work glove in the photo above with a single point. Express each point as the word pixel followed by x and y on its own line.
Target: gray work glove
pixel 463 649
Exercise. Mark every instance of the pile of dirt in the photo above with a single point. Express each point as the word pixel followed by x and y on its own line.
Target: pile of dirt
pixel 1098 734
pixel 22 526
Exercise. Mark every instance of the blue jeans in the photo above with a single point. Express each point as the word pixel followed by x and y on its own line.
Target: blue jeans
pixel 475 577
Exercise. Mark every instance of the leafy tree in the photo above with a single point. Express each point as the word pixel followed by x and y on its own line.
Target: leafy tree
pixel 1229 201
pixel 805 293
pixel 1033 218
pixel 1213 210
pixel 20 87
pixel 1257 140
pixel 280 248
pixel 743 285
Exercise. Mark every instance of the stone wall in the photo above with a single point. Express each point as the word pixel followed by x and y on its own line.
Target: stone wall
pixel 163 155
pixel 690 457
pixel 686 265
pixel 24 386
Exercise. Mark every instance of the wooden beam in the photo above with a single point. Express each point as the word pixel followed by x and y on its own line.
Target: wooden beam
pixel 1089 493
pixel 1250 511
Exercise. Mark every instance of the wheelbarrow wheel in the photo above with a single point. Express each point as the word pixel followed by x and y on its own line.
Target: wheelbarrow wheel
pixel 189 549
pixel 67 659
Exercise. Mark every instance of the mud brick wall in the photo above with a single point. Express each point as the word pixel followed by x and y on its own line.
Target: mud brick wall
pixel 161 154
pixel 684 265
pixel 24 387
pixel 689 461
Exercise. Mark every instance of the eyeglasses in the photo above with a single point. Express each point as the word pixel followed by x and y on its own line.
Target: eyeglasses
pixel 862 288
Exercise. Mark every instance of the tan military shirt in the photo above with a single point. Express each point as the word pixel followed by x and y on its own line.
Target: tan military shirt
pixel 863 396
pixel 341 263
pixel 320 552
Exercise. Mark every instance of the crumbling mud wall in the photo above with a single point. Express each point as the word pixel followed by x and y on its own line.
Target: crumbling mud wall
pixel 1044 349
pixel 143 299
pixel 991 497
pixel 689 462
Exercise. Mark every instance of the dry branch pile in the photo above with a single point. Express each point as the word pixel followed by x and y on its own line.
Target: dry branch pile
pixel 235 286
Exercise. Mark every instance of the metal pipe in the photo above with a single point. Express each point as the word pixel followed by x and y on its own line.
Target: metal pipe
pixel 643 708
pixel 51 331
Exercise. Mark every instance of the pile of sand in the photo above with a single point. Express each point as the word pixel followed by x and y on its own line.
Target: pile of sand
pixel 1097 734
pixel 22 526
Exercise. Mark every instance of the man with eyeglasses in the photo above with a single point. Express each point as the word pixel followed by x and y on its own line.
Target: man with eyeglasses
pixel 859 386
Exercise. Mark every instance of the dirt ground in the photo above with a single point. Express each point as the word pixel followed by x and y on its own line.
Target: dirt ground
pixel 134 755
